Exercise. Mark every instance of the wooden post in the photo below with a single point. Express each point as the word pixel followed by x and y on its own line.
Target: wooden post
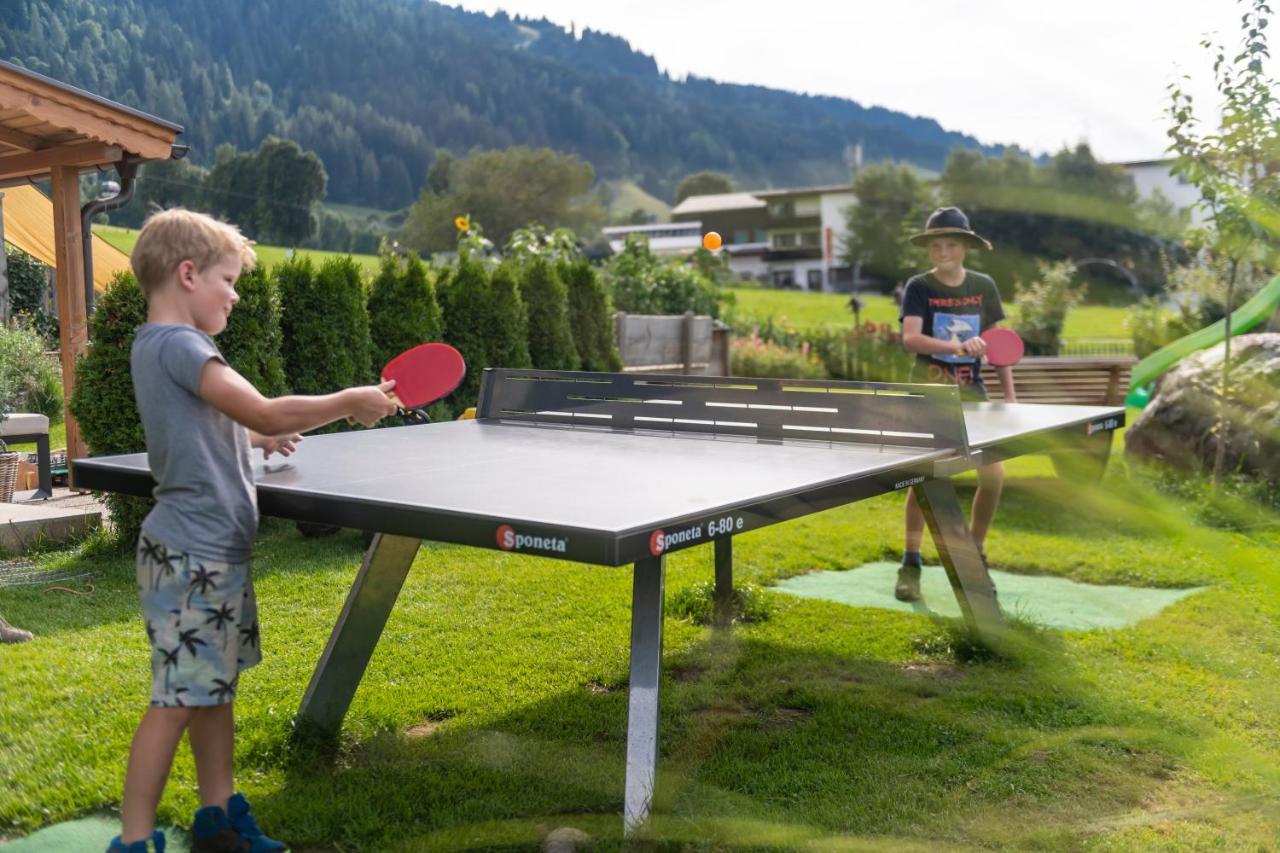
pixel 620 332
pixel 72 313
pixel 686 342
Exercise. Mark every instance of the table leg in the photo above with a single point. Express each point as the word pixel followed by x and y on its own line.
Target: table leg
pixel 44 467
pixel 965 569
pixel 354 637
pixel 642 696
pixel 724 580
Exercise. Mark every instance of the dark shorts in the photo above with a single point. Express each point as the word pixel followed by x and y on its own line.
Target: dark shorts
pixel 202 622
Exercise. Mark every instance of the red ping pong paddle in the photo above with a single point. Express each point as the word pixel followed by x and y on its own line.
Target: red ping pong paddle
pixel 424 374
pixel 1004 347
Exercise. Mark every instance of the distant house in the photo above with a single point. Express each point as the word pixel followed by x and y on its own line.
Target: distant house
pixel 665 238
pixel 788 237
pixel 1152 175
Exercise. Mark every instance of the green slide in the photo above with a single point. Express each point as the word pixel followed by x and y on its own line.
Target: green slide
pixel 1248 315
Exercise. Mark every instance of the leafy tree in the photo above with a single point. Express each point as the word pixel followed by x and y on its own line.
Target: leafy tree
pixel 506 190
pixel 1233 166
pixel 270 192
pixel 251 341
pixel 591 317
pixel 892 203
pixel 703 183
pixel 102 401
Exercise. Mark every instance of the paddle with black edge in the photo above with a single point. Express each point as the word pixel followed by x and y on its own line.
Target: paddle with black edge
pixel 423 374
pixel 1004 347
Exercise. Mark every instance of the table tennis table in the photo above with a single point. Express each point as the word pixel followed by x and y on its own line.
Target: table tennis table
pixel 616 469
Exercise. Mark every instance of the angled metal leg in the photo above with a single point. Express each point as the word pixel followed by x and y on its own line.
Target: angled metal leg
pixel 354 638
pixel 965 569
pixel 724 580
pixel 45 468
pixel 642 697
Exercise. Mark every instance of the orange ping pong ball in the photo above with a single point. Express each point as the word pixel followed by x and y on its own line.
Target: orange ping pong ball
pixel 711 241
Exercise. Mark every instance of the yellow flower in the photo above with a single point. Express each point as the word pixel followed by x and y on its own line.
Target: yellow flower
pixel 462 223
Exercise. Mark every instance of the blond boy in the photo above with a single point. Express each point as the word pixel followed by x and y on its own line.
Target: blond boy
pixel 201 418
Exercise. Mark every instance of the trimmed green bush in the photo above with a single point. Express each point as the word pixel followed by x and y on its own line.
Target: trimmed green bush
pixel 325 324
pixel 251 341
pixel 403 310
pixel 102 401
pixel 28 279
pixel 591 318
pixel 466 302
pixel 31 381
pixel 547 300
pixel 509 321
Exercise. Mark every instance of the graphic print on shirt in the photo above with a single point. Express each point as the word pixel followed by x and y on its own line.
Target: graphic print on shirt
pixel 958 328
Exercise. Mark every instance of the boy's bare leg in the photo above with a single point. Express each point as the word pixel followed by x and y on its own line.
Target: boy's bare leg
pixel 212 736
pixel 150 758
pixel 915 523
pixel 985 501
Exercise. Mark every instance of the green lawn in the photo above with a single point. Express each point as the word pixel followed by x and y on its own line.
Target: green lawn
pixel 124 238
pixel 494 709
pixel 803 310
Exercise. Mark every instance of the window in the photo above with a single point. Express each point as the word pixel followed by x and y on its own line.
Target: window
pixel 742 235
pixel 782 210
pixel 784 241
pixel 762 236
pixel 784 278
pixel 815 279
pixel 809 238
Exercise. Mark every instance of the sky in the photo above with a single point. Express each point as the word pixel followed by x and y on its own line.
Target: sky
pixel 1027 72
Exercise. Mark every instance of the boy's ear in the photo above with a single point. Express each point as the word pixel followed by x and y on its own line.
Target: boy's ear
pixel 187 273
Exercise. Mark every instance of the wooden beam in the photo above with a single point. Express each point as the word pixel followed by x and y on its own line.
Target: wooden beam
pixel 89 118
pixel 78 156
pixel 72 312
pixel 18 139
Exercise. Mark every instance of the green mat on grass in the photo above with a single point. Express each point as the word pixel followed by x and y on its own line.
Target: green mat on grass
pixel 1051 601
pixel 86 835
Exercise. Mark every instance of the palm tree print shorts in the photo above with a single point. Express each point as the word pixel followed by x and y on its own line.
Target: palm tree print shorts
pixel 202 621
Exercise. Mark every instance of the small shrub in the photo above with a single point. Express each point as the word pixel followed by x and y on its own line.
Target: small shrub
pixel 591 318
pixel 639 282
pixel 509 329
pixel 757 358
pixel 697 604
pixel 251 342
pixel 33 383
pixel 403 310
pixel 103 402
pixel 465 300
pixel 1042 306
pixel 547 300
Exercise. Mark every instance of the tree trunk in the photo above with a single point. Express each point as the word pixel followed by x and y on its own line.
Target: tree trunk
pixel 1223 419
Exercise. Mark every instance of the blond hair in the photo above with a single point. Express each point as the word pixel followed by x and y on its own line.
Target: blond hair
pixel 170 237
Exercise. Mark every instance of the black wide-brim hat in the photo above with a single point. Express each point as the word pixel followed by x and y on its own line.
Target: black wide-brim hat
pixel 949 222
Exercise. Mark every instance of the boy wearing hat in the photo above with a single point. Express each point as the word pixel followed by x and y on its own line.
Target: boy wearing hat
pixel 943 312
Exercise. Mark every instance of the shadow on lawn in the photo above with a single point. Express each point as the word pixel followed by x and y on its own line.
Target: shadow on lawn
pixel 759 741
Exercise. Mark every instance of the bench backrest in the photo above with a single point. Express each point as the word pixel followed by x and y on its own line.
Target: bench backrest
pixel 1066 379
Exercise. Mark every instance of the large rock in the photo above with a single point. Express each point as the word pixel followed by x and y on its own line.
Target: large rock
pixel 1179 425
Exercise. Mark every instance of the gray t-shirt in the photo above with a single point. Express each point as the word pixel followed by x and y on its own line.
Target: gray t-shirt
pixel 205 500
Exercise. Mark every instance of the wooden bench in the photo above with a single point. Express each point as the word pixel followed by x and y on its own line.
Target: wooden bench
pixel 21 428
pixel 1066 379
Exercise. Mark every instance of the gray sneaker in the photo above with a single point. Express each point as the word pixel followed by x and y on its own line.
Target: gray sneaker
pixel 10 634
pixel 908 588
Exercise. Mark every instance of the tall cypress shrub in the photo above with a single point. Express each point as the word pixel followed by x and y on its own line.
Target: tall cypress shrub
pixel 591 318
pixel 509 329
pixel 251 342
pixel 547 300
pixel 403 309
pixel 325 325
pixel 465 300
pixel 102 401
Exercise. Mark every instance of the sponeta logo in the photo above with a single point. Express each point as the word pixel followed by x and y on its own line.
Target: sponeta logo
pixel 510 540
pixel 660 541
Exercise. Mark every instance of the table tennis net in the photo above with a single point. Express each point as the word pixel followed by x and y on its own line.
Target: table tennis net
pixel 855 412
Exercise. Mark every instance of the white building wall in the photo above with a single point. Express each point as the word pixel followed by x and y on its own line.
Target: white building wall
pixel 1149 177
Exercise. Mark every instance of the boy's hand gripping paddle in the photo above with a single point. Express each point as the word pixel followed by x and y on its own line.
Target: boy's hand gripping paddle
pixel 424 374
pixel 1004 347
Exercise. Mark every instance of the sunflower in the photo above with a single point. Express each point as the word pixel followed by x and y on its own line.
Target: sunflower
pixel 462 223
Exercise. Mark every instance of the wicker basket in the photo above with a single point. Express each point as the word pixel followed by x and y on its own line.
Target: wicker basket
pixel 8 475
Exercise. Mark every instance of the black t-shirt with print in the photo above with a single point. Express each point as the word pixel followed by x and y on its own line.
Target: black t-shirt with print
pixel 952 314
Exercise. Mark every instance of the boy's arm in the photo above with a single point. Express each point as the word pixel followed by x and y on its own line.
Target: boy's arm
pixel 915 340
pixel 234 396
pixel 1006 383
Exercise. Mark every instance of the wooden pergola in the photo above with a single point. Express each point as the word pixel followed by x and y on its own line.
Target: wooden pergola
pixel 50 129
